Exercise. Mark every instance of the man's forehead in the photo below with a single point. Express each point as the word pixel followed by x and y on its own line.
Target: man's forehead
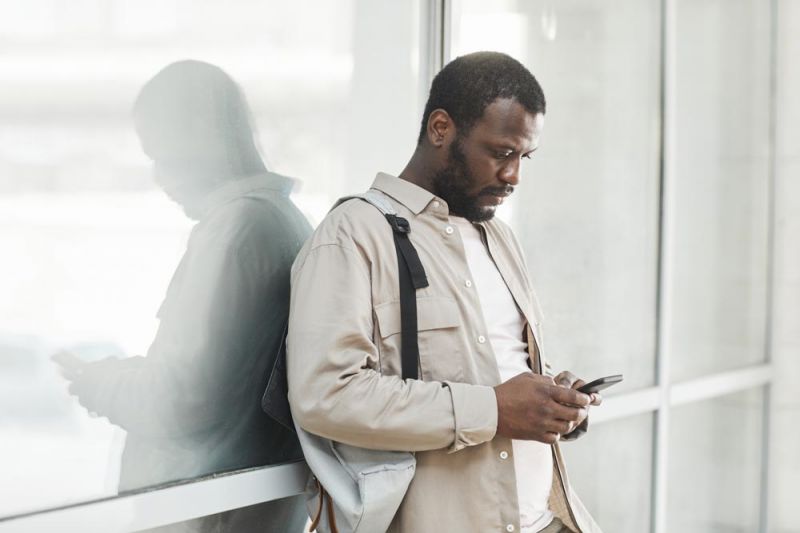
pixel 507 117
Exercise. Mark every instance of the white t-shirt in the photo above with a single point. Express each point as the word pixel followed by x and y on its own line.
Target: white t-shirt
pixel 533 462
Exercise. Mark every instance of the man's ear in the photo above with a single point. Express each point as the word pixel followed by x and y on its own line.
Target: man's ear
pixel 441 128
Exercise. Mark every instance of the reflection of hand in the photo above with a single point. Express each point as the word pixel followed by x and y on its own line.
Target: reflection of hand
pixel 70 366
pixel 569 380
pixel 533 407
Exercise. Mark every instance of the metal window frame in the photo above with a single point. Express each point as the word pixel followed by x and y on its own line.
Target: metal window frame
pixel 189 500
pixel 660 451
pixel 159 507
pixel 764 503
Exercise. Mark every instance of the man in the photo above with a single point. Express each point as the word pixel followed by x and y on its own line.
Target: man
pixel 192 406
pixel 483 424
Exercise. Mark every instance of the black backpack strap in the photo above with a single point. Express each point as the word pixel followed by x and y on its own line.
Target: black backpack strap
pixel 275 400
pixel 412 277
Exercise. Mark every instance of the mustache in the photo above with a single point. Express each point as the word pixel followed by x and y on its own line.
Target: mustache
pixel 497 191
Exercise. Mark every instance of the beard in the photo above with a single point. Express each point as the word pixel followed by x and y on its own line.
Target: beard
pixel 453 182
pixel 187 186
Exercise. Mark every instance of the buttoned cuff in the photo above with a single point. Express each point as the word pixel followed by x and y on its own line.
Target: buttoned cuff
pixel 475 414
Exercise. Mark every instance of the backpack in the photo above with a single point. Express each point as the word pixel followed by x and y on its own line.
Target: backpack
pixel 362 488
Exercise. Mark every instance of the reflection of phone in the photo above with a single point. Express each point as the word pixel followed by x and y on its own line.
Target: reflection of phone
pixel 70 365
pixel 600 384
pixel 68 360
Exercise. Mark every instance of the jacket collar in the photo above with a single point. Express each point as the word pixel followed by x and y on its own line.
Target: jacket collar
pixel 414 197
pixel 267 182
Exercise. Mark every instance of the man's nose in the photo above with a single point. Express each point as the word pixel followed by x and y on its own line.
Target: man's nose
pixel 511 173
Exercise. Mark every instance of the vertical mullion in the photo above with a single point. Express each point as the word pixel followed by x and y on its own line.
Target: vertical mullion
pixel 447 31
pixel 438 23
pixel 434 24
pixel 665 248
pixel 770 282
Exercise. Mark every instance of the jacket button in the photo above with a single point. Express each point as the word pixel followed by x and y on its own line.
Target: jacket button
pixel 449 230
pixel 510 527
pixel 504 455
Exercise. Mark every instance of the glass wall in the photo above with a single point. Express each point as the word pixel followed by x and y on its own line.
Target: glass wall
pixel 721 186
pixel 612 472
pixel 100 267
pixel 715 465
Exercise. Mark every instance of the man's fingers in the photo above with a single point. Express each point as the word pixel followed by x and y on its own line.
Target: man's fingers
pixel 570 396
pixel 565 379
pixel 551 437
pixel 597 399
pixel 567 413
pixel 67 373
pixel 562 427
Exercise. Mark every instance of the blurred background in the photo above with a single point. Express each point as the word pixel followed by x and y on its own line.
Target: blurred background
pixel 660 217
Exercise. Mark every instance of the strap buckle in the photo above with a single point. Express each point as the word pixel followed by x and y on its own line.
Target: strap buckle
pixel 399 224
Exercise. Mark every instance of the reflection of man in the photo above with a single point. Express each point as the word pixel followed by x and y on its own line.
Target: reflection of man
pixel 192 406
pixel 480 421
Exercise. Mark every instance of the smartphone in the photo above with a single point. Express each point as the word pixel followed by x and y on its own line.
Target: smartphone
pixel 600 384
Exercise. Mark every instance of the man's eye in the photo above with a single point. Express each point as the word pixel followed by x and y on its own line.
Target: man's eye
pixel 502 155
pixel 527 156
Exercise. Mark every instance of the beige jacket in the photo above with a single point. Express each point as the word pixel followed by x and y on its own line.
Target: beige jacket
pixel 343 361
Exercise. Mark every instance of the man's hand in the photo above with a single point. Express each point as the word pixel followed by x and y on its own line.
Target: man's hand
pixel 569 380
pixel 70 366
pixel 534 407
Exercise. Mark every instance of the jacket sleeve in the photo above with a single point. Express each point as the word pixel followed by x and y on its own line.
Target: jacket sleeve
pixel 335 387
pixel 205 363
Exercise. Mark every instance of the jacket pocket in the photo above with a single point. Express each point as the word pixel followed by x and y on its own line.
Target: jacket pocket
pixel 438 334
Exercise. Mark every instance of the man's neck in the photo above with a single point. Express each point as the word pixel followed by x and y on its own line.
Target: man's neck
pixel 420 170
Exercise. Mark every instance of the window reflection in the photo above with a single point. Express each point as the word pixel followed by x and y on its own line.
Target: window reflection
pixel 90 241
pixel 191 406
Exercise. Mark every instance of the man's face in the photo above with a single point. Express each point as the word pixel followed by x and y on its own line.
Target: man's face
pixel 483 165
pixel 181 164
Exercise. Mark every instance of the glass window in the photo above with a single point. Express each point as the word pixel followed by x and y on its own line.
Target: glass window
pixel 720 213
pixel 288 515
pixel 587 210
pixel 715 464
pixel 611 470
pixel 166 326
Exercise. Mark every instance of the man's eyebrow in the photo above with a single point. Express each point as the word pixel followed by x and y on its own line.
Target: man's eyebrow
pixel 508 146
pixel 505 145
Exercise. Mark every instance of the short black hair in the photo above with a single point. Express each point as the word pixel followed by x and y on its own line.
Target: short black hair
pixel 189 90
pixel 469 83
